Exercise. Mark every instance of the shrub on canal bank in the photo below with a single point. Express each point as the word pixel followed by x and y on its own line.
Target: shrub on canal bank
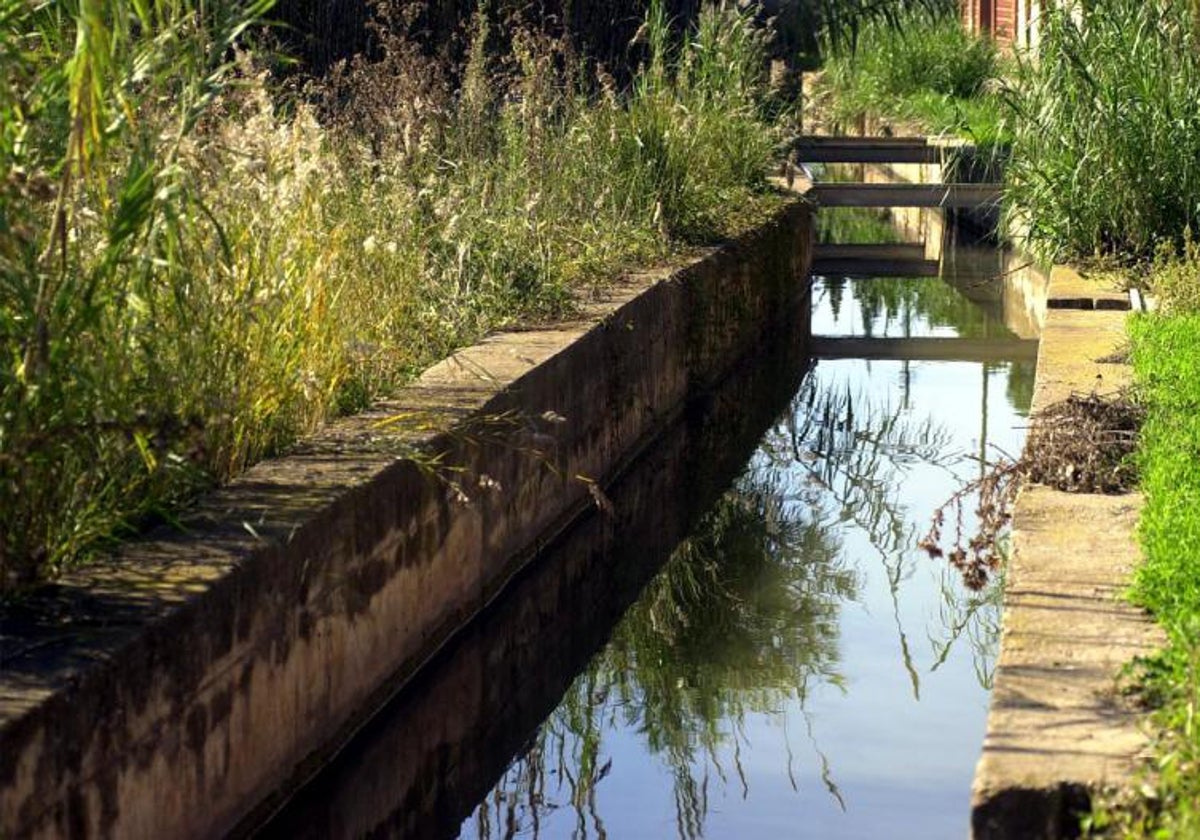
pixel 923 68
pixel 1106 148
pixel 198 268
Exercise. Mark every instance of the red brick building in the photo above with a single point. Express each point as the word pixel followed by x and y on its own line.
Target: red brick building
pixel 1010 22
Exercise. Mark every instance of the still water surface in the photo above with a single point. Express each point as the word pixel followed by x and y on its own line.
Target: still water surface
pixel 772 658
pixel 832 683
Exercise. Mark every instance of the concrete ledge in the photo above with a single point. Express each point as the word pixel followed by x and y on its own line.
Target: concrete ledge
pixel 1071 290
pixel 168 692
pixel 1058 729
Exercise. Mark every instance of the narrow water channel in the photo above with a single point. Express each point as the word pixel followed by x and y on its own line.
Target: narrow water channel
pixel 749 644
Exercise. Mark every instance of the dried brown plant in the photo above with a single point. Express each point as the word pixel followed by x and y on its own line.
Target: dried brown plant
pixel 1083 444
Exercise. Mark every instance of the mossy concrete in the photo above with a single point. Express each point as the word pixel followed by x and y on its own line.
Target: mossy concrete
pixel 167 692
pixel 1059 729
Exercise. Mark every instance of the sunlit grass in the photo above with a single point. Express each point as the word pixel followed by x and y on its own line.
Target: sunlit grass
pixel 923 69
pixel 1166 363
pixel 1166 359
pixel 197 268
pixel 1106 150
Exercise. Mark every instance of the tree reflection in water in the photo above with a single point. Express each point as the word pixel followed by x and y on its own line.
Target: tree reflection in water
pixel 744 618
pixel 861 452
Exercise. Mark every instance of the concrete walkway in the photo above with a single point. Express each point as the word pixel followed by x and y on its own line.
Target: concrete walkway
pixel 1058 728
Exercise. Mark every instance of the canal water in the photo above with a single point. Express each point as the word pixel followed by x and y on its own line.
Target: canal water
pixel 748 642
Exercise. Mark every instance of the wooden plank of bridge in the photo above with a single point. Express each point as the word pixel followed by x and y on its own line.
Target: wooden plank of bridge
pixel 925 349
pixel 866 150
pixel 875 268
pixel 905 195
pixel 869 251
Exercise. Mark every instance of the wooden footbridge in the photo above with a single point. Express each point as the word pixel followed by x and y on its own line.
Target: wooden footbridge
pixel 894 259
pixel 887 150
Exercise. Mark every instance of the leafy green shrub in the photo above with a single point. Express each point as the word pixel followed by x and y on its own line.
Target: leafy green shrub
pixel 1106 150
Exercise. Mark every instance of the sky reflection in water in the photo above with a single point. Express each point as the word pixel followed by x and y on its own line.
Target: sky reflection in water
pixel 799 668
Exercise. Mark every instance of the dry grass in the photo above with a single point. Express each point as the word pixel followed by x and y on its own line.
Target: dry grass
pixel 1085 444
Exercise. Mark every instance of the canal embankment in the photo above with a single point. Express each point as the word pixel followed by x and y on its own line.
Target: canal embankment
pixel 172 690
pixel 1061 729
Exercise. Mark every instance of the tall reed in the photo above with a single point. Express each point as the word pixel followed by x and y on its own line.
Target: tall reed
pixel 1106 152
pixel 102 225
pixel 197 268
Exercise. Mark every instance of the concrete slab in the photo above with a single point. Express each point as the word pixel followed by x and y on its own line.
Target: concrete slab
pixel 1081 352
pixel 866 150
pixel 925 349
pixel 1058 728
pixel 1071 290
pixel 876 268
pixel 904 195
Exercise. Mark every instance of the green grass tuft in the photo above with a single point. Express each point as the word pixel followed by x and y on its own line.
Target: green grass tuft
pixel 921 68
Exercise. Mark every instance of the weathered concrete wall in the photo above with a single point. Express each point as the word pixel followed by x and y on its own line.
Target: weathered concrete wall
pixel 166 693
pixel 431 756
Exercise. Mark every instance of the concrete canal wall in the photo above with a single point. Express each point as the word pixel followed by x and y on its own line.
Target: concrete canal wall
pixel 427 760
pixel 170 691
pixel 1059 730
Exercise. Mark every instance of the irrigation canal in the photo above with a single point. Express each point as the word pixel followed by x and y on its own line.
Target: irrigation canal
pixel 746 641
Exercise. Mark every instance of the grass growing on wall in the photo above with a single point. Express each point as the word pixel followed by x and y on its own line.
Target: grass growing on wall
pixel 921 68
pixel 195 269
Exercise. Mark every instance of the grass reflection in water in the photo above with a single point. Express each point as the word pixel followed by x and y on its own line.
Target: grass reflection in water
pixel 744 619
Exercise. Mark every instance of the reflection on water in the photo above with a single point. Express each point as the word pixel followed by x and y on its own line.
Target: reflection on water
pixel 799 668
pixel 797 658
pixel 741 621
pixel 751 644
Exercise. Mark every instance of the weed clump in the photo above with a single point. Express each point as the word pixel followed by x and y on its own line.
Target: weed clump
pixel 977 553
pixel 1084 444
